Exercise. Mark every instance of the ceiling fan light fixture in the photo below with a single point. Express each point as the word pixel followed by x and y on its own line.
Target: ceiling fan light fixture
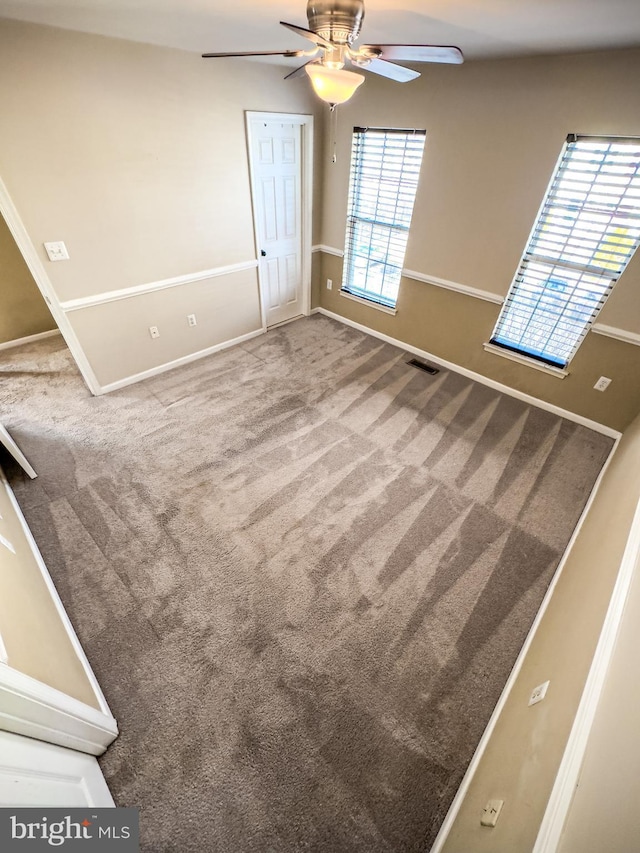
pixel 333 85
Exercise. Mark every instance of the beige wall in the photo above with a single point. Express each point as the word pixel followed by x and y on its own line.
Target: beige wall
pixel 23 311
pixel 524 753
pixel 136 157
pixel 454 327
pixel 494 132
pixel 495 129
pixel 604 813
pixel 36 640
pixel 226 307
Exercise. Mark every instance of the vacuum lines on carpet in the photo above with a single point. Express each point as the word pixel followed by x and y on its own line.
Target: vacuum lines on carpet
pixel 302 571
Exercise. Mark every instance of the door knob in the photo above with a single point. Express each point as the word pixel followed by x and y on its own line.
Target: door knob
pixel 263 253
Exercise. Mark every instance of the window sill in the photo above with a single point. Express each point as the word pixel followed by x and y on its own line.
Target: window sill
pixel 558 372
pixel 368 302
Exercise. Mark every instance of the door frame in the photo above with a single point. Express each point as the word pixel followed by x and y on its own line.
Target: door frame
pixel 35 709
pixel 32 259
pixel 305 123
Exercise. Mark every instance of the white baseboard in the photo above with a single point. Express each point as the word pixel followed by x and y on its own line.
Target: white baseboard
pixel 29 339
pixel 477 377
pixel 178 362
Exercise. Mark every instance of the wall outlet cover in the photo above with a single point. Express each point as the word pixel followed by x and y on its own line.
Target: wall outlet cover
pixel 491 812
pixel 538 693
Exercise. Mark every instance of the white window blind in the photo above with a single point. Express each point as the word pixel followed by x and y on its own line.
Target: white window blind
pixel 385 167
pixel 586 233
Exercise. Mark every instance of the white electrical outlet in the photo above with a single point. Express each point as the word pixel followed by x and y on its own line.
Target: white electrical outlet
pixel 191 320
pixel 602 384
pixel 57 251
pixel 329 284
pixel 538 693
pixel 153 331
pixel 491 812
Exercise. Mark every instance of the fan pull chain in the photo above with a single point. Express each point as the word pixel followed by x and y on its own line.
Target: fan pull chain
pixel 334 131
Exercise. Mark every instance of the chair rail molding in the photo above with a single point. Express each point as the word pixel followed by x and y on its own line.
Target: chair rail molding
pixel 153 286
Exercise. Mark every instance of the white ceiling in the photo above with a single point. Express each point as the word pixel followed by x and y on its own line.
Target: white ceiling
pixel 480 27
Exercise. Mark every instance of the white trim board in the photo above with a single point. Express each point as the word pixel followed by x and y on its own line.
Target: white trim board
pixel 618 334
pixel 558 372
pixel 567 778
pixel 29 339
pixel 454 285
pixel 53 592
pixel 477 377
pixel 328 250
pixel 36 267
pixel 152 287
pixel 29 707
pixel 178 362
pixel 368 302
pixel 487 296
pixel 461 793
pixel 429 279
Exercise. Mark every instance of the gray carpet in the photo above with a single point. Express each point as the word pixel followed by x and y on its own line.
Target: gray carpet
pixel 302 571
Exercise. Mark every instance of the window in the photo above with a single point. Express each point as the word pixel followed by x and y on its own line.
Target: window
pixel 585 235
pixel 385 166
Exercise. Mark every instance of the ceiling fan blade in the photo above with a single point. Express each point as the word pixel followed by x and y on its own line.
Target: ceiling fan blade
pixel 308 34
pixel 416 52
pixel 387 69
pixel 255 53
pixel 300 71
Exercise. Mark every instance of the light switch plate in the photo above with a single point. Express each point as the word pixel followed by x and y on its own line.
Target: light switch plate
pixel 57 251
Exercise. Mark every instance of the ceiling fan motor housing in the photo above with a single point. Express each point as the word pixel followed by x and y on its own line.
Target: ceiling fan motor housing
pixel 338 21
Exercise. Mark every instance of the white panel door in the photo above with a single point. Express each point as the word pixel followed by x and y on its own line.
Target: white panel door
pixel 33 773
pixel 7 442
pixel 277 180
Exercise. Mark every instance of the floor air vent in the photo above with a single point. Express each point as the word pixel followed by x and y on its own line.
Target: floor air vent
pixel 422 365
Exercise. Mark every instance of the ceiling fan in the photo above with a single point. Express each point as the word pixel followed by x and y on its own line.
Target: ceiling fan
pixel 334 25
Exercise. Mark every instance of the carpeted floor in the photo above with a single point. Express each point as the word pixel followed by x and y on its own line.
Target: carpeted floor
pixel 302 571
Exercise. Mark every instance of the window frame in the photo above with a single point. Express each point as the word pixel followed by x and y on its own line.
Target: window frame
pixel 398 231
pixel 545 360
